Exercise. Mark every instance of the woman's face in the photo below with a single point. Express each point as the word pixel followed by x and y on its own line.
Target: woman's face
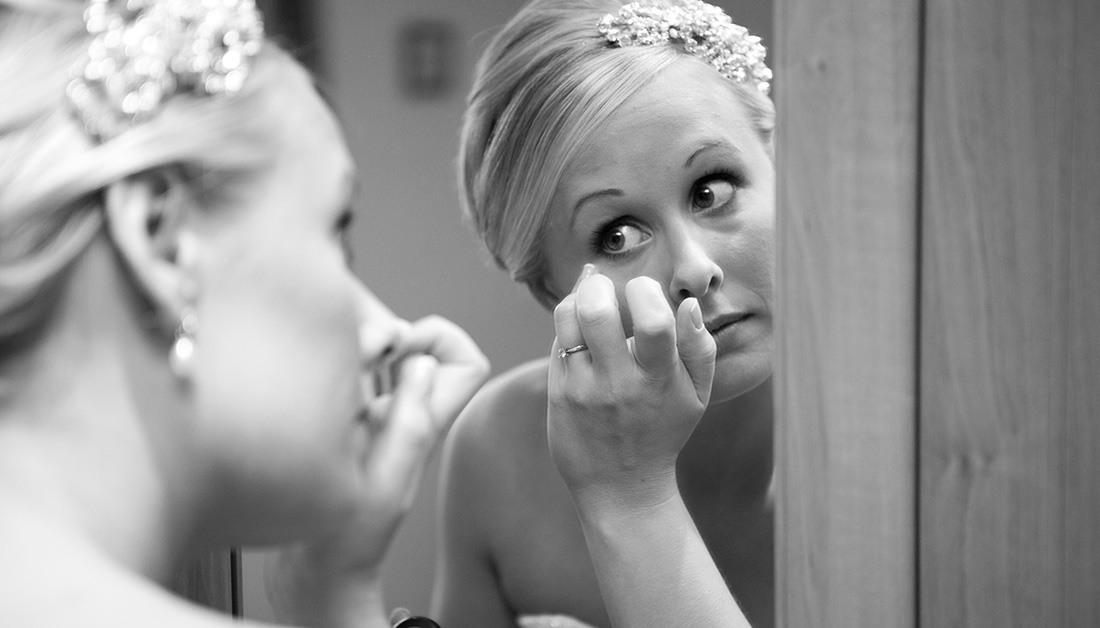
pixel 677 185
pixel 288 335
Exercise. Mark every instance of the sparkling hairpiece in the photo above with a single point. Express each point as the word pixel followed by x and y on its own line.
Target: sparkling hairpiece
pixel 701 29
pixel 146 51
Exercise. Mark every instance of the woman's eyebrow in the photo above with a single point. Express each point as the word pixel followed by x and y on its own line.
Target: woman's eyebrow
pixel 613 192
pixel 709 145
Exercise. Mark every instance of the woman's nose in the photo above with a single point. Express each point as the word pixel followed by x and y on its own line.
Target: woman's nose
pixel 694 270
pixel 380 330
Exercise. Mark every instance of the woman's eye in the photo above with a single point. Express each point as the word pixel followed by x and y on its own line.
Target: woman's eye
pixel 343 231
pixel 712 193
pixel 621 238
pixel 344 220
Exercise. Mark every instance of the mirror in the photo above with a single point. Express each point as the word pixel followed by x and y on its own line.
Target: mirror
pixel 398 74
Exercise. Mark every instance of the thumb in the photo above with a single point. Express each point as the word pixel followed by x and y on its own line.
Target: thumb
pixel 409 431
pixel 696 347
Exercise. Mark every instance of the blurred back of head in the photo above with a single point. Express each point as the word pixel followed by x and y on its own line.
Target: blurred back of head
pixel 52 172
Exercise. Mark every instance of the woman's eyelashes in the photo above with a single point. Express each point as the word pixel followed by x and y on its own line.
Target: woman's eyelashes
pixel 343 232
pixel 716 191
pixel 618 237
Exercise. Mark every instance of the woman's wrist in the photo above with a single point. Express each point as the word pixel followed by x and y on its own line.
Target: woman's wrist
pixel 623 503
pixel 631 494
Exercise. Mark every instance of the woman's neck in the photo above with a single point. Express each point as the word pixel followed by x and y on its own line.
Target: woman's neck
pixel 77 453
pixel 731 450
pixel 97 496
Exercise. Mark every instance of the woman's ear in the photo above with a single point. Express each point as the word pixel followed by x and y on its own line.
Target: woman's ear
pixel 147 221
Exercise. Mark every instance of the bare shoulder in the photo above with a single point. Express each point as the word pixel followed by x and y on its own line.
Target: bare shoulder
pixel 510 525
pixel 495 457
pixel 507 416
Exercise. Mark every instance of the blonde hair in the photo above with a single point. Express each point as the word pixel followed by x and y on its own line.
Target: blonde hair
pixel 545 82
pixel 52 174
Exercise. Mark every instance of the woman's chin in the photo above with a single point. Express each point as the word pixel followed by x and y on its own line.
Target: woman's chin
pixel 735 375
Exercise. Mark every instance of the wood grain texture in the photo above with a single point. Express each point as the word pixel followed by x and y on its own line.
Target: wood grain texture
pixel 1081 565
pixel 1010 357
pixel 847 155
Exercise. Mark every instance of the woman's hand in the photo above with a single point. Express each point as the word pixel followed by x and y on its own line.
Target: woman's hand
pixel 439 368
pixel 620 411
pixel 332 580
pixel 618 415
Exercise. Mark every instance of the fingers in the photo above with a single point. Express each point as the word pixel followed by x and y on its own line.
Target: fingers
pixel 696 347
pixel 441 339
pixel 601 326
pixel 591 316
pixel 410 430
pixel 587 271
pixel 408 408
pixel 462 367
pixel 376 342
pixel 661 340
pixel 567 329
pixel 438 369
pixel 654 326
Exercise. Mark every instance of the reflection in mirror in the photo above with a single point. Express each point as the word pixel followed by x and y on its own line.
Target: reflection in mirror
pixel 643 161
pixel 688 158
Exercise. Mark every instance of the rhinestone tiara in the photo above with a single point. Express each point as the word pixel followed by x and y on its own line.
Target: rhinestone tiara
pixel 145 51
pixel 700 29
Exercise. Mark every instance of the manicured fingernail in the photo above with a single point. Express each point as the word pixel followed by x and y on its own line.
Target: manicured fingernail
pixel 399 614
pixel 586 272
pixel 696 315
pixel 417 370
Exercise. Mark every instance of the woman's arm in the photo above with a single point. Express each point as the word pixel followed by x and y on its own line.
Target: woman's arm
pixel 619 413
pixel 652 565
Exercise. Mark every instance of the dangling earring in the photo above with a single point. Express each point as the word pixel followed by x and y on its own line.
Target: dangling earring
pixel 183 349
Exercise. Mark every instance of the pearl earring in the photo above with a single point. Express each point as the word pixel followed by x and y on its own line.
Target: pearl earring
pixel 183 349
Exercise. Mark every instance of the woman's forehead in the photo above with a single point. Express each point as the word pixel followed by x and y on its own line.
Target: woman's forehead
pixel 672 129
pixel 687 101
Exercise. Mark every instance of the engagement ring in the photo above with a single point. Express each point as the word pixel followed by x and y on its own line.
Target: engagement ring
pixel 562 353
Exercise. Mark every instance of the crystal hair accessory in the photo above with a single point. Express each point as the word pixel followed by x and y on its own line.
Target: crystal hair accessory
pixel 701 29
pixel 143 52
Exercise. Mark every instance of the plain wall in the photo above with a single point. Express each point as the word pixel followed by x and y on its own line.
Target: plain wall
pixel 411 247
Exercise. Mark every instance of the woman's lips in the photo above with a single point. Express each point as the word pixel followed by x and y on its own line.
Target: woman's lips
pixel 717 324
pixel 726 330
